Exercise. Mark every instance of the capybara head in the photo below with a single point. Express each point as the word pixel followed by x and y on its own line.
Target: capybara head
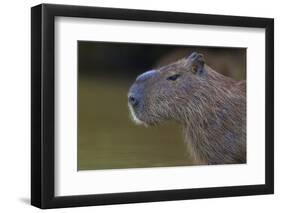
pixel 165 93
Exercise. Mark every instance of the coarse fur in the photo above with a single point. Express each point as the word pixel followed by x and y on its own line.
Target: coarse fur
pixel 210 107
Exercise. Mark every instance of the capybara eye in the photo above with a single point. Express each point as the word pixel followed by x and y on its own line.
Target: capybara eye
pixel 173 77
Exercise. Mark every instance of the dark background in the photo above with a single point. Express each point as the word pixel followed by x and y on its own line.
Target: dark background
pixel 128 60
pixel 107 138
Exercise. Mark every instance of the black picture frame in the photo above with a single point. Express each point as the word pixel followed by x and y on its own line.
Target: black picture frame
pixel 43 117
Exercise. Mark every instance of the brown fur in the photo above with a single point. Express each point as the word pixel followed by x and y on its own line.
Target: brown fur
pixel 210 107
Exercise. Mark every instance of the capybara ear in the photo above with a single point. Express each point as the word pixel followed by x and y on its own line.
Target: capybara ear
pixel 197 62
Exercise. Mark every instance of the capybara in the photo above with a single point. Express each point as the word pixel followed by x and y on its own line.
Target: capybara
pixel 210 107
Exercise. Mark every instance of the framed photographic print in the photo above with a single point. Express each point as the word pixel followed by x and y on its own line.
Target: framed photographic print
pixel 139 106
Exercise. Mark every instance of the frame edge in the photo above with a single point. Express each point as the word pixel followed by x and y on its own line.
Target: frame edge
pixel 269 108
pixel 36 61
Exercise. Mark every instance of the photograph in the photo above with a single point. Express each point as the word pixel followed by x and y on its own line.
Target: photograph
pixel 136 105
pixel 144 105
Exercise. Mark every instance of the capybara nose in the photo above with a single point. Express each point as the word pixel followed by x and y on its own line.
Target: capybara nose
pixel 133 100
pixel 146 75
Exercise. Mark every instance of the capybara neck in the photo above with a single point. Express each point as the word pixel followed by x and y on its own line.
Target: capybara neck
pixel 214 121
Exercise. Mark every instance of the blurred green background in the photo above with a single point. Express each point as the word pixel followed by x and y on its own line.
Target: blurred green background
pixel 107 138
